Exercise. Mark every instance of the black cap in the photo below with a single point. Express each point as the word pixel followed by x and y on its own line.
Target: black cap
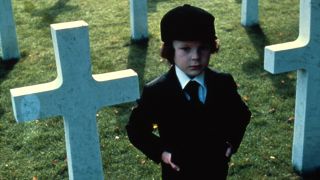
pixel 188 23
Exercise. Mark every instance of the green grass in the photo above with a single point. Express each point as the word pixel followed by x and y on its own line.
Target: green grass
pixel 37 148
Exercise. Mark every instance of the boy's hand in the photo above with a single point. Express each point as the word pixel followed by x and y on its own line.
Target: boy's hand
pixel 166 158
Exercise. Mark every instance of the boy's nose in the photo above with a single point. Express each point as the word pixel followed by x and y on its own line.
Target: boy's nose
pixel 195 54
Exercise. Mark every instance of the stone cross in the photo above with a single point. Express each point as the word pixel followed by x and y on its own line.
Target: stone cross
pixel 303 55
pixel 8 37
pixel 139 20
pixel 250 12
pixel 76 95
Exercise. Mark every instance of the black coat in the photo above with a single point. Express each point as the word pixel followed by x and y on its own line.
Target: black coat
pixel 196 137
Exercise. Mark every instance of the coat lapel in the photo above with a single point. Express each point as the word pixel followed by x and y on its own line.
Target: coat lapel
pixel 174 86
pixel 212 86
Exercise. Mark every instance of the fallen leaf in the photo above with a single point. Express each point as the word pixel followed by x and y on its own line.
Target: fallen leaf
pixel 272 110
pixel 291 119
pixel 143 161
pixel 272 157
pixel 246 98
pixel 290 76
pixel 55 162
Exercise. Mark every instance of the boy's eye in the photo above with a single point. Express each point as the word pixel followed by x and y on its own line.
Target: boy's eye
pixel 204 48
pixel 185 48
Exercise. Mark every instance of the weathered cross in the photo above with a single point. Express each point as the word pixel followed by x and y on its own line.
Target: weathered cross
pixel 139 19
pixel 249 12
pixel 8 37
pixel 303 55
pixel 76 95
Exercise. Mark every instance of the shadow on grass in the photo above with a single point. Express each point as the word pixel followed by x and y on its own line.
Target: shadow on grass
pixel 136 61
pixel 284 83
pixel 152 7
pixel 258 39
pixel 6 66
pixel 137 58
pixel 50 14
pixel 2 111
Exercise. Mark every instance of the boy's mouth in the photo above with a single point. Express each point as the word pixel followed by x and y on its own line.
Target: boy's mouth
pixel 196 67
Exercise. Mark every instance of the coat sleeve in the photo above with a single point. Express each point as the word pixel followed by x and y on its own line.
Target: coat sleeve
pixel 239 116
pixel 140 127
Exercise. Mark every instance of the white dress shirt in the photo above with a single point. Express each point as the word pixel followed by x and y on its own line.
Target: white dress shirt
pixel 184 80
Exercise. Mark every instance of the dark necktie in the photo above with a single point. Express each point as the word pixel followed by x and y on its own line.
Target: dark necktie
pixel 192 89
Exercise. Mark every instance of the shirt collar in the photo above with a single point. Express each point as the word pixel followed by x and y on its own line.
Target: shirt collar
pixel 184 79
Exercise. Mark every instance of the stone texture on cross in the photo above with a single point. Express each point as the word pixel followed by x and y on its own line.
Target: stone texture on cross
pixel 139 20
pixel 8 38
pixel 303 55
pixel 250 12
pixel 76 95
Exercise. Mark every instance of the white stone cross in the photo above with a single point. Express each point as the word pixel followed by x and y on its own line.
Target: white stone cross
pixel 8 37
pixel 303 55
pixel 139 19
pixel 250 12
pixel 76 95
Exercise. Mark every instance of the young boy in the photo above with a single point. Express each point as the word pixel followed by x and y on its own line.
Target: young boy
pixel 200 116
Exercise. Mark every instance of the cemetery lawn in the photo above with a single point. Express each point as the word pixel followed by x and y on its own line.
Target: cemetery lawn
pixel 37 149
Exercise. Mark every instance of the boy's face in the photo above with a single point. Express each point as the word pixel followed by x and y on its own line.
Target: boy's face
pixel 192 57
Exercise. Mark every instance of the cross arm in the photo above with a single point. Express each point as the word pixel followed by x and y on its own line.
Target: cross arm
pixel 122 86
pixel 35 102
pixel 284 57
